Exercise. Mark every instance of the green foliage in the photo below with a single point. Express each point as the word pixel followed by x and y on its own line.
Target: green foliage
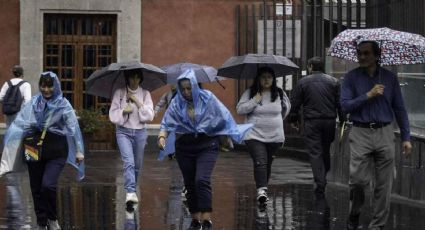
pixel 90 120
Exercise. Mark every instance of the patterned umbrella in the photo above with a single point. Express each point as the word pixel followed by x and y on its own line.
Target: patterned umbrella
pixel 397 47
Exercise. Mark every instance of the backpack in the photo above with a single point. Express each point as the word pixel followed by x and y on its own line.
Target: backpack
pixel 13 99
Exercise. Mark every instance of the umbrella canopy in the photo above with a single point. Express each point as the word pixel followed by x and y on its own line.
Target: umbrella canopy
pixel 246 66
pixel 397 47
pixel 203 73
pixel 105 81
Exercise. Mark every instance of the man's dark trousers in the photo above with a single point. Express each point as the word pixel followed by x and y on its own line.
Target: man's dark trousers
pixel 318 136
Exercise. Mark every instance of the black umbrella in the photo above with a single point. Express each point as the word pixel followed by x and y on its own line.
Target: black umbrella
pixel 246 66
pixel 203 73
pixel 105 81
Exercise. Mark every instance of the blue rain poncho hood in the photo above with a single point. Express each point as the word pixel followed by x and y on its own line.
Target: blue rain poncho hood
pixel 32 118
pixel 211 116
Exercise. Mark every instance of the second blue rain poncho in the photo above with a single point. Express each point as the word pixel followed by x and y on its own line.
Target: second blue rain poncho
pixel 32 118
pixel 211 116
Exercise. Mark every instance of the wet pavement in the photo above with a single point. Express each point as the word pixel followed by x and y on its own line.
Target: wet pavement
pixel 98 201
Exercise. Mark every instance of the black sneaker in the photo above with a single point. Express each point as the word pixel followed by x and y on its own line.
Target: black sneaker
pixel 171 156
pixel 319 190
pixel 262 207
pixel 207 225
pixel 353 222
pixel 195 225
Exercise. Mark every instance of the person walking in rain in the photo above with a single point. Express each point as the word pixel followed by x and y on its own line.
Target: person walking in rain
pixel 265 106
pixel 165 100
pixel 131 108
pixel 318 94
pixel 11 106
pixel 163 103
pixel 372 96
pixel 198 118
pixel 49 111
pixel 14 94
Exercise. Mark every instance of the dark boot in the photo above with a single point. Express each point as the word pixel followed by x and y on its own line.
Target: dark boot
pixel 207 225
pixel 195 225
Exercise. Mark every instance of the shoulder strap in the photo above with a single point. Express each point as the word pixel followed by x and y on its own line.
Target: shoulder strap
pixel 43 134
pixel 9 83
pixel 20 83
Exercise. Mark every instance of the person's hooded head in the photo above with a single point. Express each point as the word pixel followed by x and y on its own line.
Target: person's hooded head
pixel 50 96
pixel 49 86
pixel 187 86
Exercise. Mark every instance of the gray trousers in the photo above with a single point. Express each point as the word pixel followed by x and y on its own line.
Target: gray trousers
pixel 372 153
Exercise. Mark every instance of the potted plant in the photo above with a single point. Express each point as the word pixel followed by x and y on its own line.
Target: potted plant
pixel 90 120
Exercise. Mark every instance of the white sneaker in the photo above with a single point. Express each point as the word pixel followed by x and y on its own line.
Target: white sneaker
pixel 262 195
pixel 53 225
pixel 184 193
pixel 131 197
pixel 131 201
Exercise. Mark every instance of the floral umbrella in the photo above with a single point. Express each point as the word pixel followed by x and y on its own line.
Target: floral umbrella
pixel 397 47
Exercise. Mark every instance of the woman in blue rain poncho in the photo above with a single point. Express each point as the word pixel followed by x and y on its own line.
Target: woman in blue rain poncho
pixel 63 142
pixel 197 118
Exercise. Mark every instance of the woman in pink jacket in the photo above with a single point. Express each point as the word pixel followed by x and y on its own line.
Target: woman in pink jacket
pixel 131 108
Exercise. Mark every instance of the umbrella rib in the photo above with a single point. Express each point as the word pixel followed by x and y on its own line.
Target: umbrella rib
pixel 115 80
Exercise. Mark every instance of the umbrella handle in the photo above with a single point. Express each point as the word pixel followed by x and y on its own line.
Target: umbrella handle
pixel 218 82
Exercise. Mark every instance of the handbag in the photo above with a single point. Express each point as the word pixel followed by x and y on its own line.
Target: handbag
pixel 33 144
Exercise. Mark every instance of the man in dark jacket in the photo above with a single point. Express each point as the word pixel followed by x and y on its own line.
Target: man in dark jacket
pixel 318 93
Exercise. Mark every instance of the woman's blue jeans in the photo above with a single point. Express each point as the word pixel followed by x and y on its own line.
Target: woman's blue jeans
pixel 131 143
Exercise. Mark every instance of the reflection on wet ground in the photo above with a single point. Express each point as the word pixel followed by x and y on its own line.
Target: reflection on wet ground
pixel 98 202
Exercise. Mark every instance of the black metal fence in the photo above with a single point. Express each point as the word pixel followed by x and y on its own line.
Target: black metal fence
pixel 263 28
pixel 405 15
pixel 309 26
pixel 298 30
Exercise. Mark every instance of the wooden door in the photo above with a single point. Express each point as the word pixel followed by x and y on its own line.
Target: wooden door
pixel 76 45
